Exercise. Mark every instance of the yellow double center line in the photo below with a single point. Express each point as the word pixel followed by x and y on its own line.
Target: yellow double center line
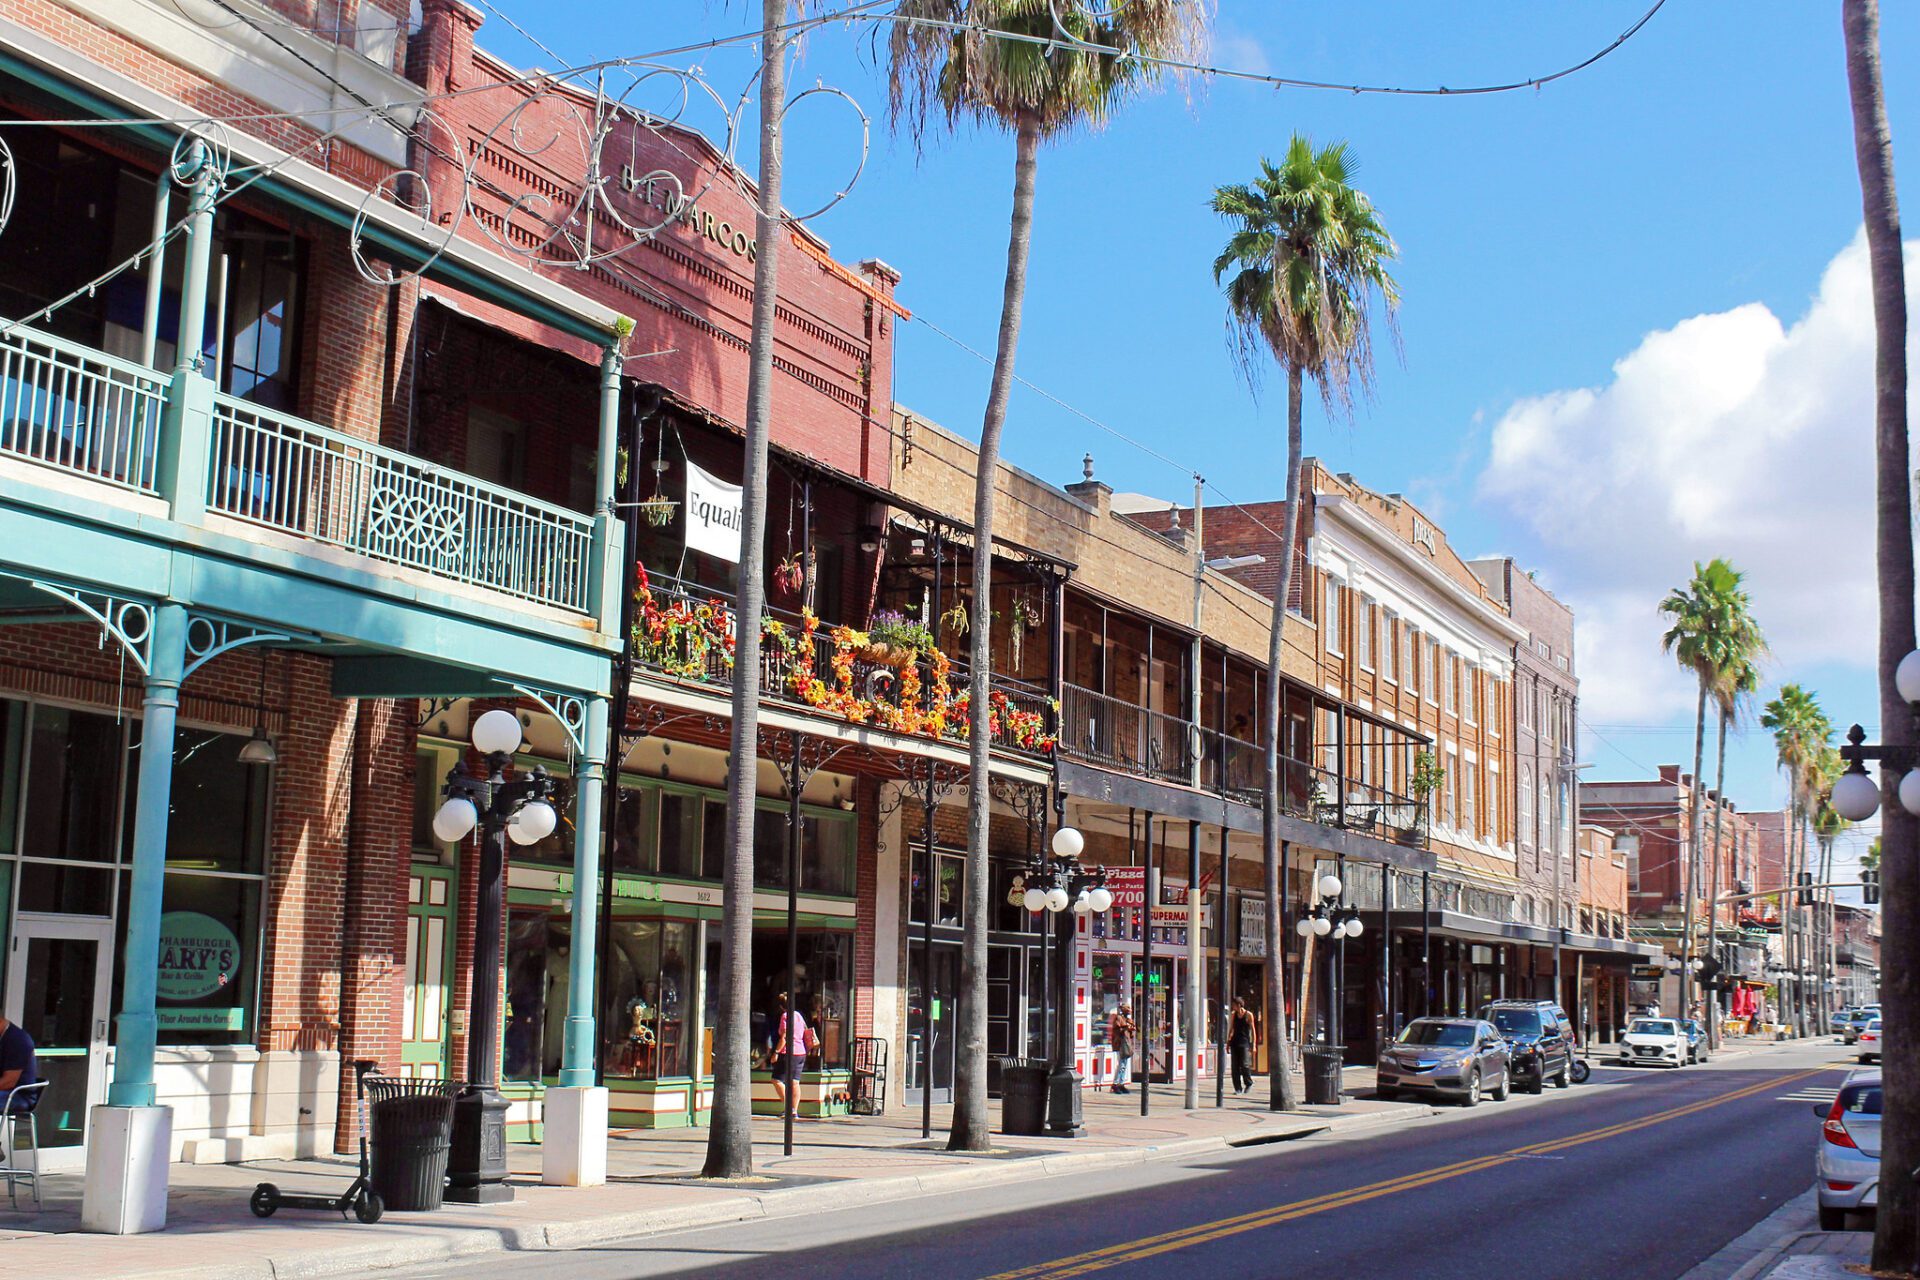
pixel 1202 1233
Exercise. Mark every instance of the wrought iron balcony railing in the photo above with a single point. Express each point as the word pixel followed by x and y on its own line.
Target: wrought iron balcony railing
pixel 284 473
pixel 838 672
pixel 79 411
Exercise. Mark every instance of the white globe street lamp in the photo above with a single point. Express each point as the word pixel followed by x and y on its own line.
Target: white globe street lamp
pixel 497 732
pixel 455 820
pixel 1322 926
pixel 1034 899
pixel 533 822
pixel 1329 886
pixel 1304 926
pixel 1855 795
pixel 1100 899
pixel 1057 899
pixel 1068 843
pixel 1353 927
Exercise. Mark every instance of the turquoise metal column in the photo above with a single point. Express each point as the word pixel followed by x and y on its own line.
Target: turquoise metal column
pixel 133 1054
pixel 607 573
pixel 576 1053
pixel 188 421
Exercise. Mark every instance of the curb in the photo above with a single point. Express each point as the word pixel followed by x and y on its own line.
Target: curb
pixel 746 1206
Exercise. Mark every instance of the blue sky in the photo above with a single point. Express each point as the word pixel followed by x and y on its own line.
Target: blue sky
pixel 1622 280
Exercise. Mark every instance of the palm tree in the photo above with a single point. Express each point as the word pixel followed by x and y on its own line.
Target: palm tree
pixel 1827 826
pixel 1800 732
pixel 1039 69
pixel 1896 1238
pixel 1739 677
pixel 1304 269
pixel 1707 625
pixel 730 1139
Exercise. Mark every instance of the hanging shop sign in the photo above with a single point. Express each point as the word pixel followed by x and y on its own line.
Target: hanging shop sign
pixel 198 956
pixel 1253 925
pixel 713 515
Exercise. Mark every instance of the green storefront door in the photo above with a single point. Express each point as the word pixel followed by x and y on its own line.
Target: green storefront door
pixel 423 1033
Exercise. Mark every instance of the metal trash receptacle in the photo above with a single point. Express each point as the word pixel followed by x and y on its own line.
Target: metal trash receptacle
pixel 1322 1063
pixel 412 1130
pixel 1023 1096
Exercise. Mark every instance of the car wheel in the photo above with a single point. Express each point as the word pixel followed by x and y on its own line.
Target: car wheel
pixel 1832 1219
pixel 1472 1096
pixel 1866 1057
pixel 1505 1088
pixel 1386 1095
pixel 1565 1079
pixel 1538 1087
pixel 1581 1071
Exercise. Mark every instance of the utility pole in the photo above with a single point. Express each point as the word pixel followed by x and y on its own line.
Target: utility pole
pixel 1195 1021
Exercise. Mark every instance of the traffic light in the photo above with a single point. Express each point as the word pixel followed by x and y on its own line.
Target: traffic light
pixel 1870 887
pixel 1806 888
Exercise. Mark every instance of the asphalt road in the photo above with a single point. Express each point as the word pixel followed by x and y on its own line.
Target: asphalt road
pixel 1639 1174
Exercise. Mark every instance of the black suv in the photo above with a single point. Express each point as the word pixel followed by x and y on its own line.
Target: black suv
pixel 1541 1040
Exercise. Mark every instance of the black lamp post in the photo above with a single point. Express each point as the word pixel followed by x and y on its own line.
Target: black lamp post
pixel 1054 884
pixel 1331 919
pixel 501 810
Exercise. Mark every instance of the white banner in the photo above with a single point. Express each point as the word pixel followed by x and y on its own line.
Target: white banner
pixel 713 515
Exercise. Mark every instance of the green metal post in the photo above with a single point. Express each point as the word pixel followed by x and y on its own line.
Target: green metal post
pixel 576 1057
pixel 133 1055
pixel 607 575
pixel 188 420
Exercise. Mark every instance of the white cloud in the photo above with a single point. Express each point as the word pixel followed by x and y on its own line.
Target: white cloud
pixel 1729 434
pixel 1235 50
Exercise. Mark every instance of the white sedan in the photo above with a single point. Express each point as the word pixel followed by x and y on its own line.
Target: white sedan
pixel 1654 1041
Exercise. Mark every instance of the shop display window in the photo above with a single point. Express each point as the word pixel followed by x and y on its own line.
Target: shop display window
pixel 209 974
pixel 537 948
pixel 218 820
pixel 649 999
pixel 680 835
pixel 952 888
pixel 1109 992
pixel 823 977
pixel 74 759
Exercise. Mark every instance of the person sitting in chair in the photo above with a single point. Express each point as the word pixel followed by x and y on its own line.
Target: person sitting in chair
pixel 16 1064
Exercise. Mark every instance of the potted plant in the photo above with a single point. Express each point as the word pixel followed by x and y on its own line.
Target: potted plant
pixel 891 634
pixel 957 620
pixel 656 511
pixel 1427 775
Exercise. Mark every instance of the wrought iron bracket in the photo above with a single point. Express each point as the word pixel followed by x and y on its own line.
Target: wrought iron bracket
pixel 209 636
pixel 1858 751
pixel 1028 800
pixel 569 709
pixel 799 756
pixel 129 622
pixel 431 707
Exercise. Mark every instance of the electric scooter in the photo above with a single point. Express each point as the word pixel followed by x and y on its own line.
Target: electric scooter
pixel 359 1199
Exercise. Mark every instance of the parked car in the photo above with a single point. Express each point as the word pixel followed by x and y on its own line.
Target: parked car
pixel 1847 1163
pixel 1867 1045
pixel 1459 1058
pixel 1539 1039
pixel 1838 1020
pixel 1696 1040
pixel 1654 1041
pixel 1861 1017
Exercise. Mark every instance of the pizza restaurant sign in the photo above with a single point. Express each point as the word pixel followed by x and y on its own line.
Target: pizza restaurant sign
pixel 656 191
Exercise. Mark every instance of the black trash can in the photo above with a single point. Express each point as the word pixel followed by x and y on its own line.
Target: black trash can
pixel 1322 1064
pixel 412 1123
pixel 1023 1096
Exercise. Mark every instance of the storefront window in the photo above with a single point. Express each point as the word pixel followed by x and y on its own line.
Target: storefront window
pixel 650 998
pixel 680 834
pixel 218 819
pixel 74 761
pixel 952 882
pixel 13 745
pixel 209 958
pixel 558 846
pixel 632 850
pixel 823 978
pixel 827 855
pixel 770 848
pixel 1109 992
pixel 537 949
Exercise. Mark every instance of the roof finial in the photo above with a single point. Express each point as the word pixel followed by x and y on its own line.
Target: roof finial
pixel 1086 467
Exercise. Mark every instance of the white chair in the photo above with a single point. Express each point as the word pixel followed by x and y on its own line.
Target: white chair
pixel 10 1168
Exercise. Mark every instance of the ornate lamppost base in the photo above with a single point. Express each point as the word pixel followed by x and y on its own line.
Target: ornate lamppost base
pixel 477 1164
pixel 1063 1104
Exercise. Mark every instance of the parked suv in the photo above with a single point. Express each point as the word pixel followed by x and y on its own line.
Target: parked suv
pixel 1541 1038
pixel 1857 1023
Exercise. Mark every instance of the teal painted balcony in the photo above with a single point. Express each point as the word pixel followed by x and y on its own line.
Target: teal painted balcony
pixel 85 414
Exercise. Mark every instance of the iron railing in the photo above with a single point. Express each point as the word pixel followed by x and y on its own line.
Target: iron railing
pixel 688 633
pixel 79 411
pixel 284 473
pixel 1110 731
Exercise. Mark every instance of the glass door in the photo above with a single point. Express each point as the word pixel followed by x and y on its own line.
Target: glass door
pixel 933 1006
pixel 429 965
pixel 58 979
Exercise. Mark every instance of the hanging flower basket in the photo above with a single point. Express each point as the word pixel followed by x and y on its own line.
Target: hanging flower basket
pixel 789 576
pixel 657 512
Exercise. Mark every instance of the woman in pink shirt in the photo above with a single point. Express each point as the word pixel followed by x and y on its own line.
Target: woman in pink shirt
pixel 793 1041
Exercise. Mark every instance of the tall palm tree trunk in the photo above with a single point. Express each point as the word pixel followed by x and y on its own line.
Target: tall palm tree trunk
pixel 1279 1056
pixel 1691 872
pixel 1713 884
pixel 970 1124
pixel 730 1139
pixel 1896 1240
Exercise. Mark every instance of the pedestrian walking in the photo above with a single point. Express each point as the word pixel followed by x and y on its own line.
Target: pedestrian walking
pixel 793 1041
pixel 1240 1031
pixel 1120 1040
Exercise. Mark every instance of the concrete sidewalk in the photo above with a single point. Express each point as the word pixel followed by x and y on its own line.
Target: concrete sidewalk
pixel 653 1187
